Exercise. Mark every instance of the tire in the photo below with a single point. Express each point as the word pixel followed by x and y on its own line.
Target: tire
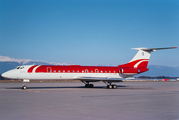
pixel 110 86
pixel 91 85
pixel 87 86
pixel 24 87
pixel 114 86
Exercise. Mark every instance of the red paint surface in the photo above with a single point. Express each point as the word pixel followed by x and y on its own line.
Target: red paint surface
pixel 143 64
pixel 123 69
pixel 31 69
pixel 77 69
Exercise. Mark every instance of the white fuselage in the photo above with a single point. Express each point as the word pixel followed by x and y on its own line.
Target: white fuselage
pixel 22 73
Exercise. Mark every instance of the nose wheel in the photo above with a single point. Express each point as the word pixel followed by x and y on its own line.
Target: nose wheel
pixel 24 87
pixel 24 82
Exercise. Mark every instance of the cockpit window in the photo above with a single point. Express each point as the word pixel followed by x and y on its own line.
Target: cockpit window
pixel 19 67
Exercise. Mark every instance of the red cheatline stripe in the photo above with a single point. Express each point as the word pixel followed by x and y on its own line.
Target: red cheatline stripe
pixel 31 69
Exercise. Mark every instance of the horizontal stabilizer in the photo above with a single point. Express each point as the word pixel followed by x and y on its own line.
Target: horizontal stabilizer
pixel 153 49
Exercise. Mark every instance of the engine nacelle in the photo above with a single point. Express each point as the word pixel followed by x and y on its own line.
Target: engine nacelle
pixel 129 71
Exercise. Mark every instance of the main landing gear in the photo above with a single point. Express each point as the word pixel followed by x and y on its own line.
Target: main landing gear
pixel 110 85
pixel 87 85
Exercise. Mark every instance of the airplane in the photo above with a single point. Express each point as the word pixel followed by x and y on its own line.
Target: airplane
pixel 86 74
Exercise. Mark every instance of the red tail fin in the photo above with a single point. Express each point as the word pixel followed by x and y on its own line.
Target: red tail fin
pixel 141 63
pixel 140 60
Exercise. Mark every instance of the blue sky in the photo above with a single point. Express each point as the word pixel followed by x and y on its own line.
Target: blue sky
pixel 89 32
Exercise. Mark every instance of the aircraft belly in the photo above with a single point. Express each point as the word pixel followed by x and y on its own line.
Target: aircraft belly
pixel 66 75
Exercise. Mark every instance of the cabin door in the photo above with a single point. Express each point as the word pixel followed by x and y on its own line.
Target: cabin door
pixel 49 70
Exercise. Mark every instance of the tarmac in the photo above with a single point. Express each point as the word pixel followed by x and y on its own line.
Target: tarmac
pixel 72 101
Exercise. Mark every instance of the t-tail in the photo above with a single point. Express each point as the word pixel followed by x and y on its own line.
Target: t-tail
pixel 139 62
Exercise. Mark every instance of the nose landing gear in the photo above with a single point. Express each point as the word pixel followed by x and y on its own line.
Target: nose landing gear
pixel 24 87
pixel 24 82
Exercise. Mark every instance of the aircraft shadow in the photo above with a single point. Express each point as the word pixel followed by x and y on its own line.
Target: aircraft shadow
pixel 82 87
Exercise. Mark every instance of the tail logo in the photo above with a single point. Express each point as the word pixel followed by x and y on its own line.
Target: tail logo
pixel 139 62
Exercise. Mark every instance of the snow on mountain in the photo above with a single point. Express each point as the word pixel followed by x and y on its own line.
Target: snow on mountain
pixel 8 63
pixel 54 63
pixel 27 61
pixel 9 59
pixel 20 61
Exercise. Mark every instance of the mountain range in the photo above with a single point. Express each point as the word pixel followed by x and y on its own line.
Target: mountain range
pixel 158 70
pixel 7 63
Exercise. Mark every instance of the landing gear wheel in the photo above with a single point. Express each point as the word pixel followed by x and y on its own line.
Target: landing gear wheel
pixel 109 86
pixel 24 87
pixel 87 85
pixel 91 85
pixel 114 86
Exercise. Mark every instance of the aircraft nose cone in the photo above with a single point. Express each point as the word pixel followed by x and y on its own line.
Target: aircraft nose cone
pixel 10 74
pixel 4 74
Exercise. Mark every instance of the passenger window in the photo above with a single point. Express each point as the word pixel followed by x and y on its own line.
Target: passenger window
pixel 73 71
pixel 109 71
pixel 101 71
pixel 114 71
pixel 82 70
pixel 105 71
pixel 54 71
pixel 63 70
pixel 91 71
pixel 58 70
pixel 68 71
pixel 77 70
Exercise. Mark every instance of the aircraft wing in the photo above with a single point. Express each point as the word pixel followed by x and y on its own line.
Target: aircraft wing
pixel 107 79
pixel 96 79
